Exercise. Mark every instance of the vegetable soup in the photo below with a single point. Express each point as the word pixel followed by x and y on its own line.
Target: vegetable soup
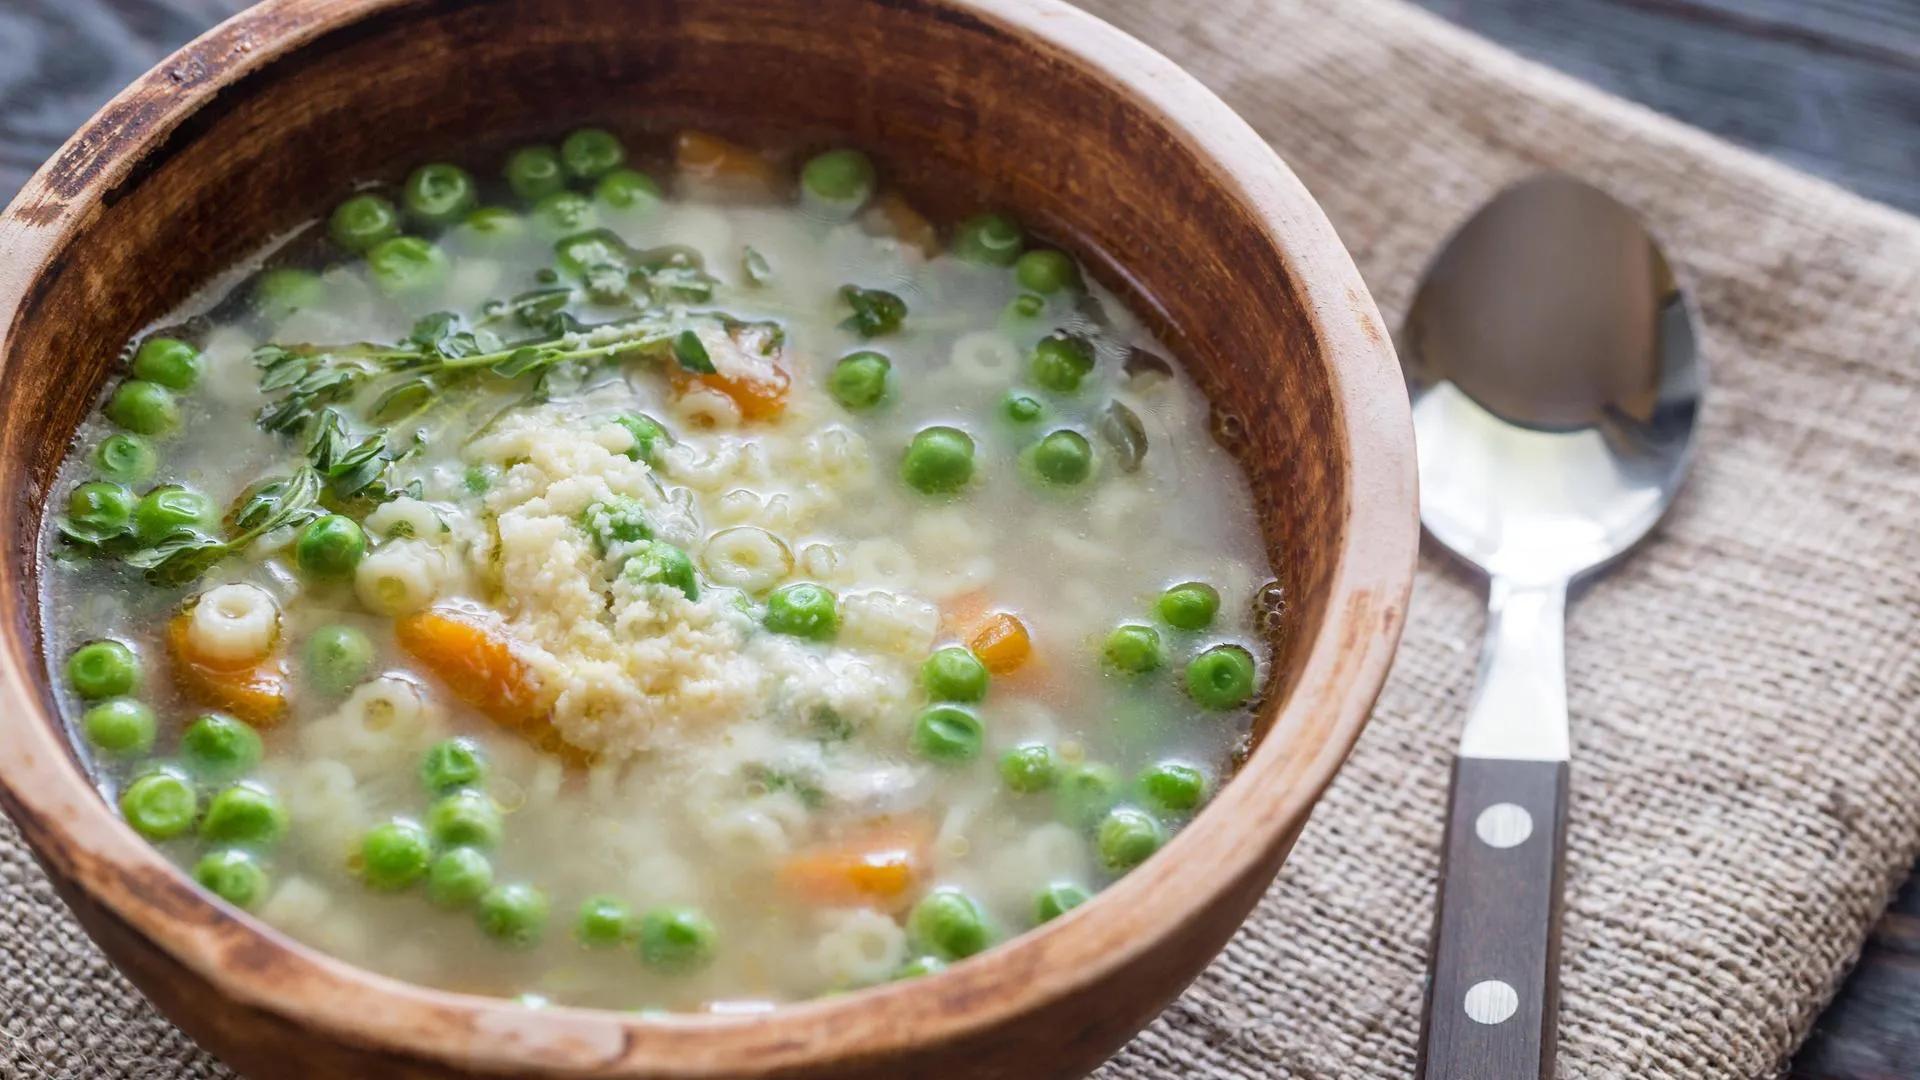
pixel 654 575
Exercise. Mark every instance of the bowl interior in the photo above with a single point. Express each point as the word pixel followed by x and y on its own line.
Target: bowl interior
pixel 933 99
pixel 259 126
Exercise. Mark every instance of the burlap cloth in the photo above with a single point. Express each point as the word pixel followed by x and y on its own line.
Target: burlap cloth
pixel 1744 689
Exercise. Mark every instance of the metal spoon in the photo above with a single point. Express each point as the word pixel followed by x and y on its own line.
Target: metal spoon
pixel 1551 362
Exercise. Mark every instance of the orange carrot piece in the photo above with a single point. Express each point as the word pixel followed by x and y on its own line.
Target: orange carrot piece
pixel 256 693
pixel 478 665
pixel 760 398
pixel 749 370
pixel 1002 643
pixel 714 160
pixel 891 215
pixel 878 867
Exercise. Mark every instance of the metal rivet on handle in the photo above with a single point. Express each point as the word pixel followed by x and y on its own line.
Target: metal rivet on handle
pixel 1503 825
pixel 1491 1002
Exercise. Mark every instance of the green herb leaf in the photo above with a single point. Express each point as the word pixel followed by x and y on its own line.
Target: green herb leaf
pixel 875 311
pixel 692 354
pixel 180 559
pixel 755 265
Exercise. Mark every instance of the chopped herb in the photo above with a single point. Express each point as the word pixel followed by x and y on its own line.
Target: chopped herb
pixel 268 505
pixel 875 311
pixel 755 265
pixel 692 354
pixel 1122 430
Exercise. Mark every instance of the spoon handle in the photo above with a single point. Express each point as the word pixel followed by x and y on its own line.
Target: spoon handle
pixel 1494 989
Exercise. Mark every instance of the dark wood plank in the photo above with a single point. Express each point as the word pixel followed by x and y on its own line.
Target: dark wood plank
pixel 1829 86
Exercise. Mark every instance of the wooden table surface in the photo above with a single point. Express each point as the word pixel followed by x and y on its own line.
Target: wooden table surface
pixel 1830 86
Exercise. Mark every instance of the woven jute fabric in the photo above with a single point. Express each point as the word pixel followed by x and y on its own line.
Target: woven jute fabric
pixel 1745 688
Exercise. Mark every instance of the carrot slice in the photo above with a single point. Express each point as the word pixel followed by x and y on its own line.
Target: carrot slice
pixel 891 215
pixel 1002 643
pixel 879 867
pixel 713 160
pixel 477 664
pixel 256 693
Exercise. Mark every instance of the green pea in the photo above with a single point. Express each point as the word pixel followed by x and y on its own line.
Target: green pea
pixel 627 189
pixel 954 674
pixel 219 747
pixel 534 172
pixel 101 509
pixel 244 813
pixel 621 519
pixel 338 658
pixel 1029 768
pixel 591 153
pixel 1060 361
pixel 919 966
pixel 495 226
pixel 656 562
pixel 1022 408
pixel 465 818
pixel 279 293
pixel 122 726
pixel 677 939
pixel 170 509
pixel 947 735
pixel 459 877
pixel 859 380
pixel 938 460
pixel 160 805
pixel 125 459
pixel 406 265
pixel 803 610
pixel 1023 307
pixel 650 438
pixel 232 875
pixel 1064 457
pixel 1222 677
pixel 564 213
pixel 478 479
pixel 1173 787
pixel 362 222
pixel 994 239
pixel 170 362
pixel 1126 837
pixel 1086 792
pixel 1056 900
pixel 1045 270
pixel 603 922
pixel 948 924
pixel 102 669
pixel 452 764
pixel 1134 649
pixel 514 914
pixel 143 407
pixel 439 194
pixel 330 546
pixel 840 178
pixel 1190 605
pixel 394 855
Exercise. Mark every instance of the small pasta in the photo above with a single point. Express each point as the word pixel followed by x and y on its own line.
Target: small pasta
pixel 381 726
pixel 706 409
pixel 407 518
pixel 882 562
pixel 746 558
pixel 839 458
pixel 984 358
pixel 903 625
pixel 400 577
pixel 860 947
pixel 234 624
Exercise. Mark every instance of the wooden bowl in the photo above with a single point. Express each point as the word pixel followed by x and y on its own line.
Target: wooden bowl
pixel 1097 140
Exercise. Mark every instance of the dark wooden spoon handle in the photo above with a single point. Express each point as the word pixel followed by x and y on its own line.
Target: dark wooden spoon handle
pixel 1494 986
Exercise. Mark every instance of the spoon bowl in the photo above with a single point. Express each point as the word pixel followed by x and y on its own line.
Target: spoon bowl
pixel 1534 470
